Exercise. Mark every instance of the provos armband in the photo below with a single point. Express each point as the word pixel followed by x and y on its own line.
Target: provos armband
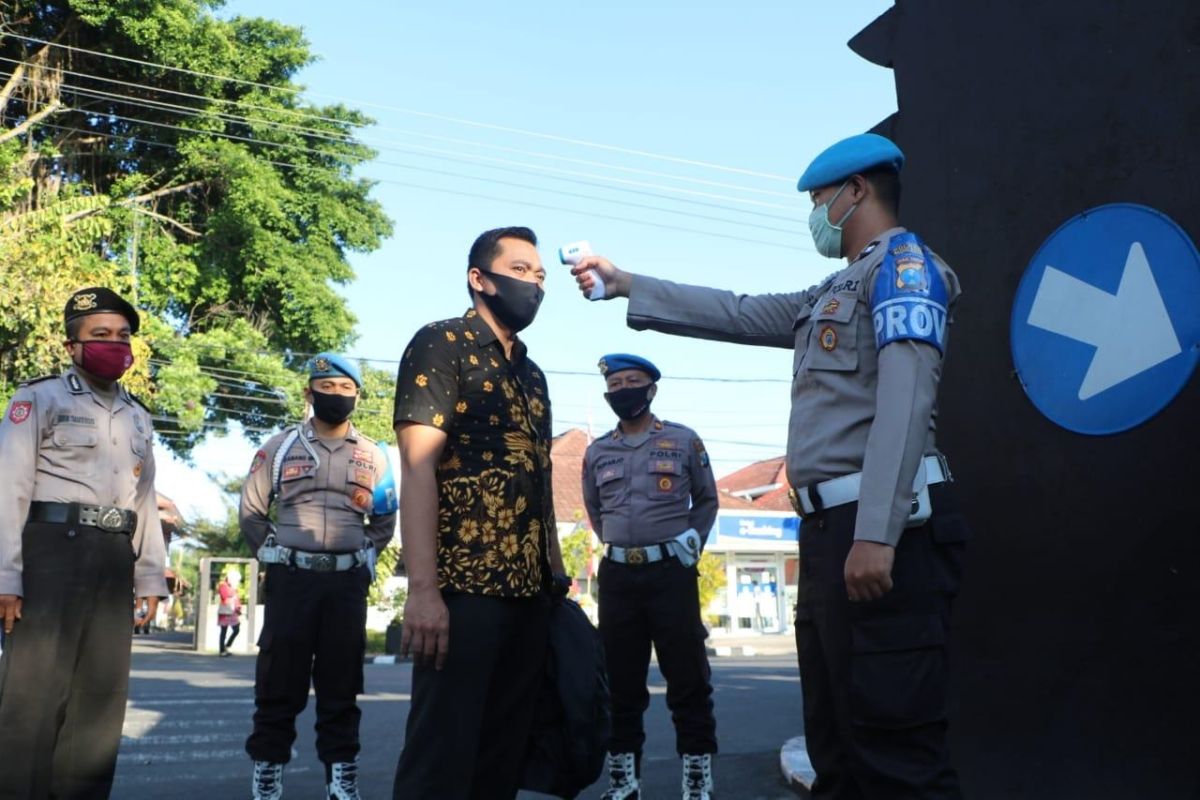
pixel 909 296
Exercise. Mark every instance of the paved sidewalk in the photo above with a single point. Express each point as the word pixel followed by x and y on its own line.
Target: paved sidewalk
pixel 764 644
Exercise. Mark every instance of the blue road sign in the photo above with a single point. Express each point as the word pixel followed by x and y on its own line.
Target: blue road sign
pixel 1106 322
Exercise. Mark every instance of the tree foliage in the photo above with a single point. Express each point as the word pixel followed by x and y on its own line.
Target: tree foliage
pixel 712 579
pixel 226 209
pixel 577 552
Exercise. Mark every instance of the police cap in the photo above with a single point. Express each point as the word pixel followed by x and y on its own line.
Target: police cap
pixel 98 300
pixel 332 365
pixel 851 156
pixel 616 362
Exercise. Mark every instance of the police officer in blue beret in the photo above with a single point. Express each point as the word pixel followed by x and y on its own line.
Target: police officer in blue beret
pixel 336 504
pixel 882 538
pixel 652 499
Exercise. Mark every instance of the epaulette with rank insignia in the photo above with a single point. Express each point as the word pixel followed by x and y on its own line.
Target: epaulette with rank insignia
pixel 42 379
pixel 133 397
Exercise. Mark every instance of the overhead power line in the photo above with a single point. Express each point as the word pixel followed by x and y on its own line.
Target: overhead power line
pixel 570 176
pixel 311 116
pixel 414 112
pixel 456 192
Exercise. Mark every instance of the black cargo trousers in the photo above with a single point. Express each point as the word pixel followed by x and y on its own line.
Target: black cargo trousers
pixel 875 674
pixel 314 635
pixel 656 604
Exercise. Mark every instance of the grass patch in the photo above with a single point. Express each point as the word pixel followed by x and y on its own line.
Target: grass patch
pixel 375 642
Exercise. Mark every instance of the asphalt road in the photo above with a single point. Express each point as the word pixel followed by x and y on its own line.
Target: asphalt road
pixel 189 715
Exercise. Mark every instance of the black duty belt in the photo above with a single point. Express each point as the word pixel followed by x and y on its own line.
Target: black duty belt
pixel 106 518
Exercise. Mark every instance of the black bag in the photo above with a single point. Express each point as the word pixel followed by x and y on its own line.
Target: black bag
pixel 572 722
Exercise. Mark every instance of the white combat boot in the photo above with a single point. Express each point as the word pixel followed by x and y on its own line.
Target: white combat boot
pixel 267 783
pixel 343 781
pixel 622 778
pixel 697 777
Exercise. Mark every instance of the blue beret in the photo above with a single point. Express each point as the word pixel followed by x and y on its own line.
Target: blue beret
pixel 615 362
pixel 849 157
pixel 331 365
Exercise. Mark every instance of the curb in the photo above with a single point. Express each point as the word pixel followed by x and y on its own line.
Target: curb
pixel 795 765
pixel 727 651
pixel 383 660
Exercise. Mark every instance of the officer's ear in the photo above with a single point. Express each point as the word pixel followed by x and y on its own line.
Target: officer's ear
pixel 308 393
pixel 652 392
pixel 859 188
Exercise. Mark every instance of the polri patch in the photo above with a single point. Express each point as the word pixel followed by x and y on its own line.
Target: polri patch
pixel 665 484
pixel 259 459
pixel 19 411
pixel 828 339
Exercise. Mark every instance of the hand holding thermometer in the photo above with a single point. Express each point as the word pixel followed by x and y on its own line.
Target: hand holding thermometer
pixel 574 253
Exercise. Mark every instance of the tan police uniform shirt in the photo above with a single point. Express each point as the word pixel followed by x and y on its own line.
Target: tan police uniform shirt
pixel 647 488
pixel 322 502
pixel 854 408
pixel 63 442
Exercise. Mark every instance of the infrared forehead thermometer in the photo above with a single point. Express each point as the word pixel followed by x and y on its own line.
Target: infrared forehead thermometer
pixel 574 253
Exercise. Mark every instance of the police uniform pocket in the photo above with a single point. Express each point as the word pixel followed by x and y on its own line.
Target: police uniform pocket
pixel 74 450
pixel 667 480
pixel 950 533
pixel 833 341
pixel 898 670
pixel 610 481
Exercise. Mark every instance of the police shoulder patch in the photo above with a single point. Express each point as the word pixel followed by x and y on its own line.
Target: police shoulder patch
pixel 909 298
pixel 20 411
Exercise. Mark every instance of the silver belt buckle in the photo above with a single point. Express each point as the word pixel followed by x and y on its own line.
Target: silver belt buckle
pixel 322 562
pixel 111 519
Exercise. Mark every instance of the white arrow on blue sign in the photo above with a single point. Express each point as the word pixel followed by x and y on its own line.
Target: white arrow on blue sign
pixel 1106 321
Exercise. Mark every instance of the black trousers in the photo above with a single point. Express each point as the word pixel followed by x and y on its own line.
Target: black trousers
pixel 64 675
pixel 469 724
pixel 656 604
pixel 314 634
pixel 232 632
pixel 875 675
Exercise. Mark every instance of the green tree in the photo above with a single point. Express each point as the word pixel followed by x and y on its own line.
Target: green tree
pixel 712 579
pixel 226 207
pixel 576 551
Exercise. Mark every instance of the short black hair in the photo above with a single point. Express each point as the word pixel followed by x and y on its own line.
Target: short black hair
pixel 886 182
pixel 73 328
pixel 487 247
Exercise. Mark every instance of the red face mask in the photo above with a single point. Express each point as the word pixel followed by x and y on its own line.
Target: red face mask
pixel 106 360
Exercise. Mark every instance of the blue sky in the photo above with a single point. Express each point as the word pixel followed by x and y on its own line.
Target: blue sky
pixel 757 88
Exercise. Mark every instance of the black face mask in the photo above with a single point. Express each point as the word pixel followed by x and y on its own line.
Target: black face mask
pixel 515 302
pixel 333 409
pixel 630 403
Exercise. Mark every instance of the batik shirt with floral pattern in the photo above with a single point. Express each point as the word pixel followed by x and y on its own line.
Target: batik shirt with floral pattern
pixel 495 507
